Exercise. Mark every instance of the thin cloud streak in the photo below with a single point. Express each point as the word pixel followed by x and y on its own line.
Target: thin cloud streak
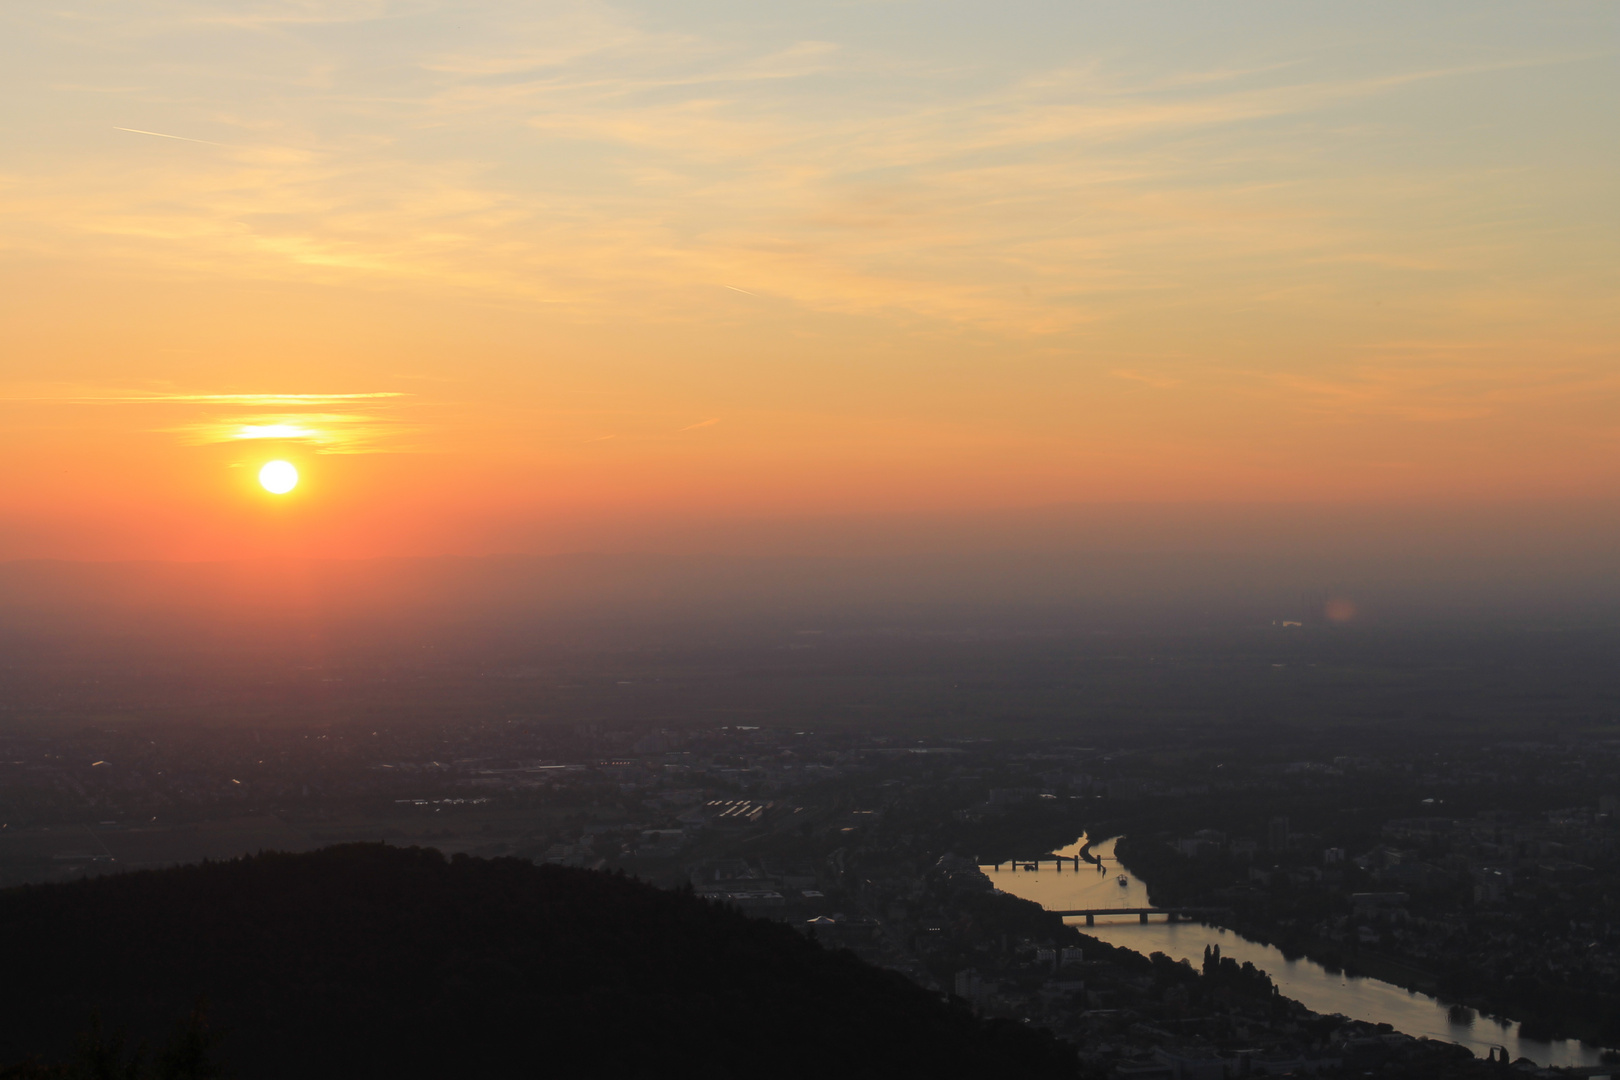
pixel 325 433
pixel 788 215
pixel 161 135
pixel 1069 259
pixel 246 400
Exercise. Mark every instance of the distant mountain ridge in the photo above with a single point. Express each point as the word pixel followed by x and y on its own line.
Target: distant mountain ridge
pixel 366 960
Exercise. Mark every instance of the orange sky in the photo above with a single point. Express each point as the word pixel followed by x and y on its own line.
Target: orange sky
pixel 497 265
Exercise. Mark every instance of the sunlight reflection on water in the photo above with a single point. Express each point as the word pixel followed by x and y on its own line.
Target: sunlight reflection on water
pixel 1304 980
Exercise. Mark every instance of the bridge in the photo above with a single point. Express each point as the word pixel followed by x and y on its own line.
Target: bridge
pixel 1142 913
pixel 1032 864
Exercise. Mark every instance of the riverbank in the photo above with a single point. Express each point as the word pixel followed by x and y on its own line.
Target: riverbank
pixel 1324 989
pixel 1548 1020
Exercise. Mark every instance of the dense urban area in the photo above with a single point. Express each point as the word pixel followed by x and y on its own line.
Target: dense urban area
pixel 1488 877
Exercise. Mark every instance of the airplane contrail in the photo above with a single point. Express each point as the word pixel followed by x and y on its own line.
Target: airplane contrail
pixel 734 288
pixel 161 135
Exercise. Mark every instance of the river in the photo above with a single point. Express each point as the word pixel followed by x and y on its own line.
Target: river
pixel 1303 980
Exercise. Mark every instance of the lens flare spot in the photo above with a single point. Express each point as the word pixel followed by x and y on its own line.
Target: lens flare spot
pixel 278 477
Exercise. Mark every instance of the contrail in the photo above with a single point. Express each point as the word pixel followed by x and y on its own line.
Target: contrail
pixel 701 423
pixel 160 135
pixel 745 292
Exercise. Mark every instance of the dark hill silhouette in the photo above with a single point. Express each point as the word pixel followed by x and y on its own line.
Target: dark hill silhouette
pixel 365 960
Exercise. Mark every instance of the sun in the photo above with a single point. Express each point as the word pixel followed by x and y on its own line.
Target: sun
pixel 278 477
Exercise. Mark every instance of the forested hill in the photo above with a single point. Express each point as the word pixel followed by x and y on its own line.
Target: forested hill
pixel 365 960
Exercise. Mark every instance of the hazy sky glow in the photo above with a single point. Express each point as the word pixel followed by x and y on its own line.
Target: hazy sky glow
pixel 477 265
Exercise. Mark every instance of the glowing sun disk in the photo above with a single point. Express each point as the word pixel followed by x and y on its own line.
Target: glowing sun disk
pixel 278 477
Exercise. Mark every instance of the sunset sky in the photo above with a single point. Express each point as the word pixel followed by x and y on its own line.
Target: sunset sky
pixel 481 268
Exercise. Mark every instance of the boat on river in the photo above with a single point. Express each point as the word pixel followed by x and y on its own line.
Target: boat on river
pixel 1122 881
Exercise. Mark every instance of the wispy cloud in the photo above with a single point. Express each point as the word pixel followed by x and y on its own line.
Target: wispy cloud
pixel 1452 383
pixel 274 14
pixel 327 433
pixel 1158 382
pixel 582 161
pixel 245 400
pixel 678 157
pixel 363 422
pixel 112 395
pixel 275 431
